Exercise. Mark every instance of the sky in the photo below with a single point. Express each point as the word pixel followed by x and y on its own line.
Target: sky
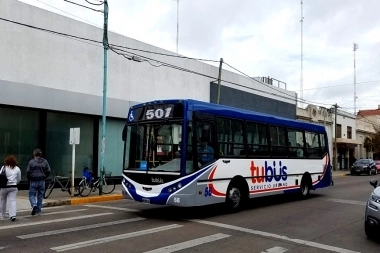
pixel 261 38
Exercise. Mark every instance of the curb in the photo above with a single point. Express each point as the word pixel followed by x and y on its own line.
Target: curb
pixel 83 200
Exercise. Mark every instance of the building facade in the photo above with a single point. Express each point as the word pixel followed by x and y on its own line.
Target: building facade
pixel 51 83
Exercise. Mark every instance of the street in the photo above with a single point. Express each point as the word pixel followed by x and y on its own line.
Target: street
pixel 331 220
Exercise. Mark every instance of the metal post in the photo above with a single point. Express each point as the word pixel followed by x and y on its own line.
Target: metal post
pixel 219 76
pixel 335 145
pixel 177 23
pixel 355 48
pixel 103 141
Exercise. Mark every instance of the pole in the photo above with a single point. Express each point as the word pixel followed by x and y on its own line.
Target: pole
pixel 219 76
pixel 335 145
pixel 73 171
pixel 301 79
pixel 177 23
pixel 103 143
pixel 355 48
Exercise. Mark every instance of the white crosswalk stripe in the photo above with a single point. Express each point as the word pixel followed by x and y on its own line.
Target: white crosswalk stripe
pixel 113 238
pixel 52 221
pixel 189 244
pixel 53 213
pixel 113 208
pixel 67 230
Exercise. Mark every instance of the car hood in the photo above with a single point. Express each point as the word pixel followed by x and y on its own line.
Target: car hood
pixel 376 191
pixel 360 166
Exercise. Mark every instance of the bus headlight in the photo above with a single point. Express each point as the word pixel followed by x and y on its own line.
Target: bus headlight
pixel 179 185
pixel 170 189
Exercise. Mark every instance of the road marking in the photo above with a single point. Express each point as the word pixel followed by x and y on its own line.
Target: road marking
pixel 113 238
pixel 52 221
pixel 4 247
pixel 275 250
pixel 353 202
pixel 189 244
pixel 44 208
pixel 114 208
pixel 44 214
pixel 67 230
pixel 281 237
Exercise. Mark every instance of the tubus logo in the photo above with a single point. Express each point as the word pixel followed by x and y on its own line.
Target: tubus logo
pixel 268 173
pixel 157 180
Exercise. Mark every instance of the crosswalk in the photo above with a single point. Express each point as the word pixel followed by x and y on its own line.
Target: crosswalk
pixel 92 225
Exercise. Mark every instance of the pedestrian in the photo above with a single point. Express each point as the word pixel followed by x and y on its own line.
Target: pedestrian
pixel 13 174
pixel 37 171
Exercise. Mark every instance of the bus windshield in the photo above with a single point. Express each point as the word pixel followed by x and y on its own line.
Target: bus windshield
pixel 153 146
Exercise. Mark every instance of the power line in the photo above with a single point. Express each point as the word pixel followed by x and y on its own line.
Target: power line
pixel 83 6
pixel 289 97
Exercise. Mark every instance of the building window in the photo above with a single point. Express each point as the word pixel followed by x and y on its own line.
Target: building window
pixel 338 131
pixel 349 132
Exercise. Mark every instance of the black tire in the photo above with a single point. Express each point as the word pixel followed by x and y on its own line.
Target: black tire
pixel 305 186
pixel 85 188
pixel 76 190
pixel 375 171
pixel 370 233
pixel 108 186
pixel 49 188
pixel 235 198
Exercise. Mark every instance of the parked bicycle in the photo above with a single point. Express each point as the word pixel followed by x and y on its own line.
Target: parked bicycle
pixel 64 187
pixel 86 185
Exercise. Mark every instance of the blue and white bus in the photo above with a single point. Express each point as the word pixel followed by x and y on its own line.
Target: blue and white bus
pixel 192 153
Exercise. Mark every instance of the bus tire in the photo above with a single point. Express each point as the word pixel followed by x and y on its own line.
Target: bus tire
pixel 237 195
pixel 305 185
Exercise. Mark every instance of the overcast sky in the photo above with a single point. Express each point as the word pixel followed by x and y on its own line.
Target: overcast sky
pixel 261 38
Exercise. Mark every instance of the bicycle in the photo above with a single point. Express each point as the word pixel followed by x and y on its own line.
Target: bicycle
pixel 86 186
pixel 56 179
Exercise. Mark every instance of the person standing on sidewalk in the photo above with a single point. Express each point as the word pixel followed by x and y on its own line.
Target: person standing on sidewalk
pixel 13 174
pixel 37 171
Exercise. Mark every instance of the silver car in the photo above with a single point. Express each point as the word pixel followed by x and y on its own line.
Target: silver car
pixel 372 212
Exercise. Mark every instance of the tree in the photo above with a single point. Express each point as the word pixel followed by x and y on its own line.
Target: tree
pixel 376 145
pixel 367 145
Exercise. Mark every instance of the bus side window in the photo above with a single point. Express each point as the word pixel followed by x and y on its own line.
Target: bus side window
pixel 230 137
pixel 257 139
pixel 278 141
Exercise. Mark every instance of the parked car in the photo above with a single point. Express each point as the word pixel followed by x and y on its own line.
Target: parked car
pixel 366 166
pixel 377 163
pixel 372 212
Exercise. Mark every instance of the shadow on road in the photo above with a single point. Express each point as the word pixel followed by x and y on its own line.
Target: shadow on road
pixel 202 212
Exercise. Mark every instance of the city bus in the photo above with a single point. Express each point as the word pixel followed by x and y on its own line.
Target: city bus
pixel 191 153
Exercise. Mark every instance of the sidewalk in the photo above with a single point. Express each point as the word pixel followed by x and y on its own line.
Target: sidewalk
pixel 58 198
pixel 340 173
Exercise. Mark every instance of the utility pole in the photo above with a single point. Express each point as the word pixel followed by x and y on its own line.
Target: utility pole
pixel 177 23
pixel 335 145
pixel 301 80
pixel 219 76
pixel 105 74
pixel 356 47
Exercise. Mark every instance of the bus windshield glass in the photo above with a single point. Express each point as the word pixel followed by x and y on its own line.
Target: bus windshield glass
pixel 153 146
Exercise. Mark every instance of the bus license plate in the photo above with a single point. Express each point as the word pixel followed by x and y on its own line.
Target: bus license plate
pixel 146 201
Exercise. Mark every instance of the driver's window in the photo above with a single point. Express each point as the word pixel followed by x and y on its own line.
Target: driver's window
pixel 205 134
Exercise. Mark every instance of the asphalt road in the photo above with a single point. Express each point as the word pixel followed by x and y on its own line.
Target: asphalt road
pixel 331 220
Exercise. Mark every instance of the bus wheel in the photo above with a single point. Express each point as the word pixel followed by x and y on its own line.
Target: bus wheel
pixel 236 196
pixel 305 185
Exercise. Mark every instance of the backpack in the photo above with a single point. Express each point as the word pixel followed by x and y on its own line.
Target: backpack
pixel 3 178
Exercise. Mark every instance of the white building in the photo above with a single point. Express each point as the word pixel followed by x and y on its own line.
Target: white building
pixel 51 83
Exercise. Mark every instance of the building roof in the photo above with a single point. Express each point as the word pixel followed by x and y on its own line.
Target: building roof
pixel 369 112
